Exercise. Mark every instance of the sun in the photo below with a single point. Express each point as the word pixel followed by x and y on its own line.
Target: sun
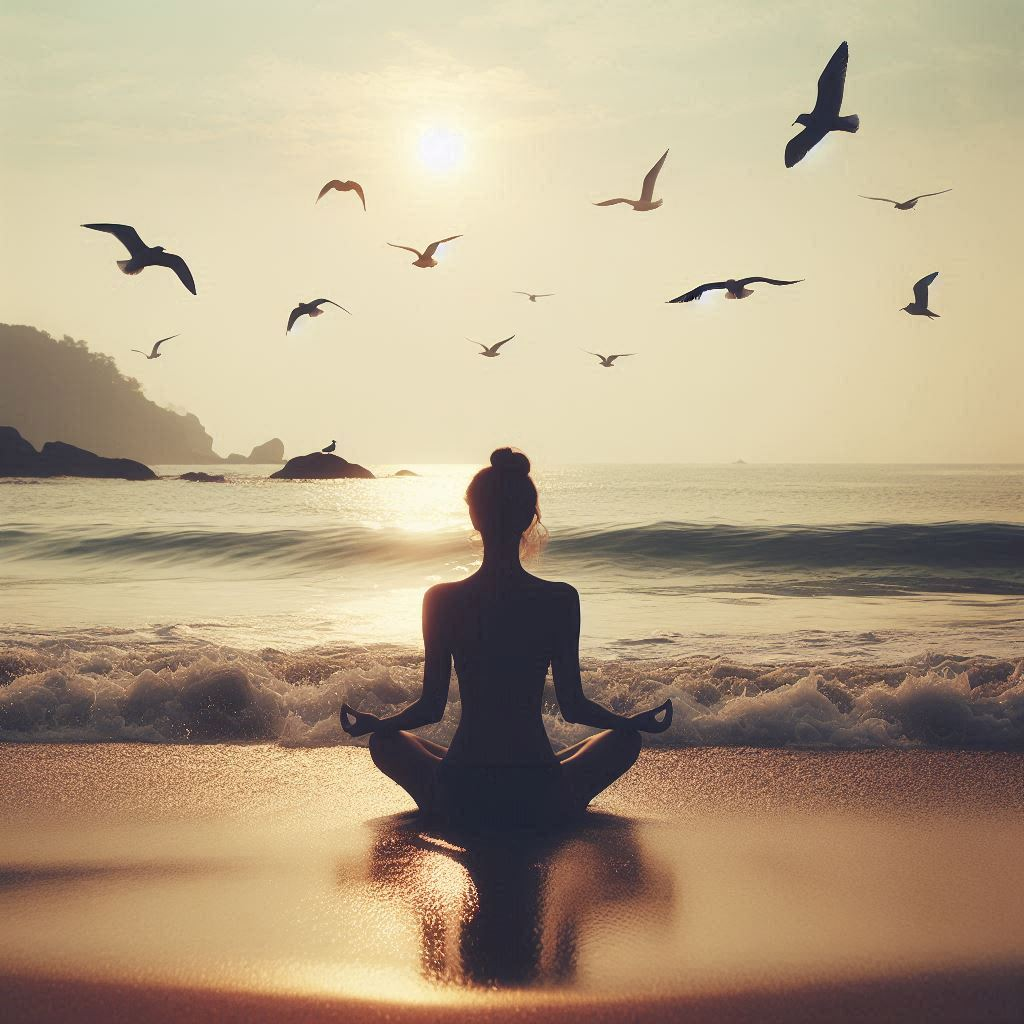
pixel 441 150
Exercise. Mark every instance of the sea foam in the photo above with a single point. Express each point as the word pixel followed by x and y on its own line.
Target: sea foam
pixel 73 691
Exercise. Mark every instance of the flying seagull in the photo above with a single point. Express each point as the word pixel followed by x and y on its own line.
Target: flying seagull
pixel 534 296
pixel 343 186
pixel 492 351
pixel 646 201
pixel 733 289
pixel 907 204
pixel 609 360
pixel 143 255
pixel 156 353
pixel 330 448
pixel 825 116
pixel 311 308
pixel 425 258
pixel 919 307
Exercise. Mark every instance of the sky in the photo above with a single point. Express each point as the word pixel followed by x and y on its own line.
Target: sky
pixel 211 127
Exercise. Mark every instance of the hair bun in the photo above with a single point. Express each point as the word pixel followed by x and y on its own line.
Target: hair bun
pixel 508 460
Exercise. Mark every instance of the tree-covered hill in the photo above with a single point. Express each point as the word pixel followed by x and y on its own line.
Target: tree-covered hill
pixel 57 390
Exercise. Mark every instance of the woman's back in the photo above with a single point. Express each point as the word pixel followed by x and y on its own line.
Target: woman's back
pixel 502 631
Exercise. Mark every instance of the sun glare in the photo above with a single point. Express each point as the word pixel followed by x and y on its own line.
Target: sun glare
pixel 441 150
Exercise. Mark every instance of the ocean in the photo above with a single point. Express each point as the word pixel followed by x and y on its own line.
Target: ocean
pixel 838 607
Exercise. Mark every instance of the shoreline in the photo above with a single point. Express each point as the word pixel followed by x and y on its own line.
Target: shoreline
pixel 995 995
pixel 248 882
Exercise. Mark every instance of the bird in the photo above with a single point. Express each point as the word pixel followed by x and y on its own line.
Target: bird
pixel 734 289
pixel 492 351
pixel 646 201
pixel 609 360
pixel 426 258
pixel 343 186
pixel 919 307
pixel 156 353
pixel 907 204
pixel 311 308
pixel 534 296
pixel 330 448
pixel 825 116
pixel 143 255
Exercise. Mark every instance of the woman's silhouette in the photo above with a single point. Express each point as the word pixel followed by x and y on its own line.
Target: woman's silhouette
pixel 503 627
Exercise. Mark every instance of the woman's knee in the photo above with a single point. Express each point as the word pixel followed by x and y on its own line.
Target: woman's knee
pixel 383 746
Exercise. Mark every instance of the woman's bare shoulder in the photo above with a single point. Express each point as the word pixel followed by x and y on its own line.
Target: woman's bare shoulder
pixel 439 593
pixel 555 590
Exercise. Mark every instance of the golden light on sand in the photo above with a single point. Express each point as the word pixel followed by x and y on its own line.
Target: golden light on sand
pixel 441 150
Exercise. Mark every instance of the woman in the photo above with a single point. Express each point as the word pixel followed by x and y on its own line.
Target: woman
pixel 502 628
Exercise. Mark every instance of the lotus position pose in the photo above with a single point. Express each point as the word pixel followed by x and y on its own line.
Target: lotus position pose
pixel 502 628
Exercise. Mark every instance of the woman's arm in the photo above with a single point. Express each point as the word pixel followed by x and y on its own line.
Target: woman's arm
pixel 575 705
pixel 437 674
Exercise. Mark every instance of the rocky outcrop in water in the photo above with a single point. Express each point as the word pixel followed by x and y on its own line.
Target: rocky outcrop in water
pixel 267 454
pixel 262 455
pixel 203 478
pixel 19 458
pixel 321 466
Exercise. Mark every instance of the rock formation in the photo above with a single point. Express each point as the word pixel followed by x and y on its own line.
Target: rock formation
pixel 320 466
pixel 19 458
pixel 267 454
pixel 204 478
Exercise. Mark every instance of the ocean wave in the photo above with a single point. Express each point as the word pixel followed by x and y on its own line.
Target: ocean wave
pixel 863 559
pixel 171 691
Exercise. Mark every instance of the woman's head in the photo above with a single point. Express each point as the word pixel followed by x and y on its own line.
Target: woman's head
pixel 502 498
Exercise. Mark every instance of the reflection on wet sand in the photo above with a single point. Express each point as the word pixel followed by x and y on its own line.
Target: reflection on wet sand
pixel 517 909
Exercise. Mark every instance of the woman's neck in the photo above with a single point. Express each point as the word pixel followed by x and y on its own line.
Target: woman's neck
pixel 501 556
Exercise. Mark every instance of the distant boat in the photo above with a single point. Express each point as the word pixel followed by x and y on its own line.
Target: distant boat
pixel 740 462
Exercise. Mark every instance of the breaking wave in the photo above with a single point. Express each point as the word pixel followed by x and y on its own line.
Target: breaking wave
pixel 173 691
pixel 865 559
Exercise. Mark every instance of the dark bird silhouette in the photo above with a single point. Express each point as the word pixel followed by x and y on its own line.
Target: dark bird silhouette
pixel 825 116
pixel 343 186
pixel 646 201
pixel 919 307
pixel 143 255
pixel 734 289
pixel 425 258
pixel 156 353
pixel 534 296
pixel 492 351
pixel 907 204
pixel 330 448
pixel 311 308
pixel 609 360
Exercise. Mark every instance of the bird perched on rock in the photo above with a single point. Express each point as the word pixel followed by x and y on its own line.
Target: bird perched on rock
pixel 155 353
pixel 330 448
pixel 646 201
pixel 907 204
pixel 919 307
pixel 825 116
pixel 142 255
pixel 734 289
pixel 426 258
pixel 311 308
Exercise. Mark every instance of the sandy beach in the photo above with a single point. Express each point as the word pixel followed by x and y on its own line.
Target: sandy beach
pixel 250 882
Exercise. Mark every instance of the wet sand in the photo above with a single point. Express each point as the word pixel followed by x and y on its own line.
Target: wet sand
pixel 258 883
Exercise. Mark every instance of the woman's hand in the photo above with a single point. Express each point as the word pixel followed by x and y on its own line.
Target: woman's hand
pixel 648 721
pixel 357 723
